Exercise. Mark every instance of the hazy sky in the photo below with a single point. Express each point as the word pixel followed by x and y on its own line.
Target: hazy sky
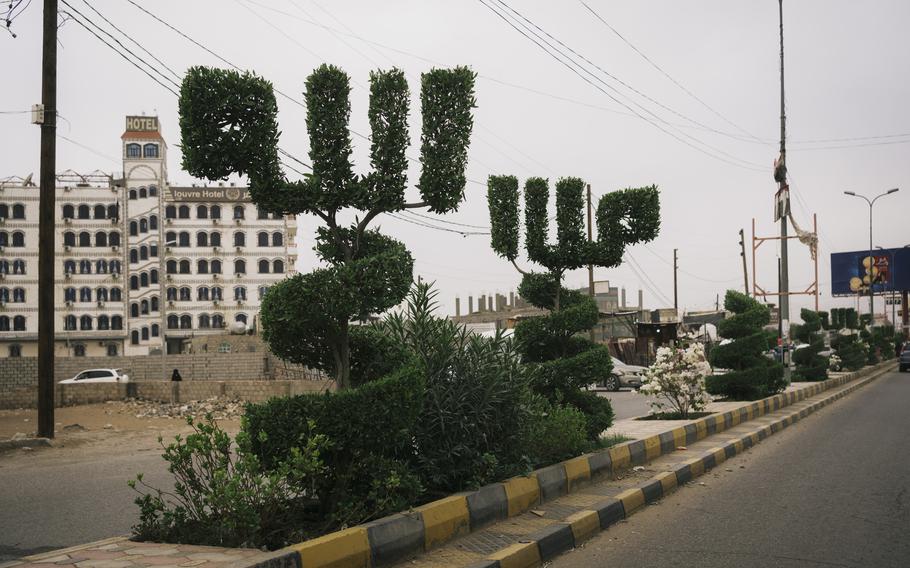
pixel 847 95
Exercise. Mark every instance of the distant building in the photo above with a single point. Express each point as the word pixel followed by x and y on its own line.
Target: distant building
pixel 139 263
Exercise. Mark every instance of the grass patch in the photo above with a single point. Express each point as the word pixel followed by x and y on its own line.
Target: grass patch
pixel 674 416
pixel 610 440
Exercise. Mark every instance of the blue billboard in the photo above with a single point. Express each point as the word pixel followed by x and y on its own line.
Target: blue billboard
pixel 886 270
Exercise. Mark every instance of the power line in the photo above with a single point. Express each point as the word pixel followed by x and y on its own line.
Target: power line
pixel 92 150
pixel 446 221
pixel 437 228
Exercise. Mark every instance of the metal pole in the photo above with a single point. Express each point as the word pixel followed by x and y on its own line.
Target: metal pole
pixel 46 227
pixel 871 273
pixel 590 266
pixel 675 297
pixel 742 245
pixel 784 259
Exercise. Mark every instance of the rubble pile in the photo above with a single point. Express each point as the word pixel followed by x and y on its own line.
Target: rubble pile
pixel 219 408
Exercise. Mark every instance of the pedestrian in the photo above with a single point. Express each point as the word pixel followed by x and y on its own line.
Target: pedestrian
pixel 175 376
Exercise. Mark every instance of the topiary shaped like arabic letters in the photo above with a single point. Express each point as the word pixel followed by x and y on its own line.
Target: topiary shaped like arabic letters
pixel 228 126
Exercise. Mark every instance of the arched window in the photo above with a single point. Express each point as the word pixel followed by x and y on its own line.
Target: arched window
pixel 79 350
pixel 15 350
pixel 202 294
pixel 217 320
pixel 261 213
pixel 215 239
pixel 184 267
pixel 85 239
pixel 155 330
pixel 133 194
pixel 102 294
pixel 170 239
pixel 134 282
pixel 4 239
pixel 217 293
pixel 144 307
pixel 204 321
pixel 202 240
pixel 171 266
pixel 144 279
pixel 100 239
pixel 153 276
pixel 202 212
pixel 133 151
pixel 239 266
pixel 153 250
pixel 277 239
pixel 4 266
pixel 19 295
pixel 143 252
pixel 4 211
pixel 183 212
pixel 134 229
pixel 134 310
pixel 19 266
pixel 85 294
pixel 69 266
pixel 69 239
pixel 104 322
pixel 84 212
pixel 18 211
pixel 100 212
pixel 215 212
pixel 186 294
pixel 112 350
pixel 114 267
pixel 134 337
pixel 4 294
pixel 116 322
pixel 186 321
pixel 69 294
pixel 85 267
pixel 239 239
pixel 183 239
pixel 241 317
pixel 101 266
pixel 153 222
pixel 170 212
pixel 19 323
pixel 143 225
pixel 154 304
pixel 238 212
pixel 134 256
pixel 143 193
pixel 116 295
pixel 202 266
pixel 150 151
pixel 278 267
pixel 18 239
pixel 171 294
pixel 113 212
pixel 85 323
pixel 145 334
pixel 113 239
pixel 240 293
pixel 153 191
pixel 215 267
pixel 262 239
pixel 69 323
pixel 263 266
pixel 68 211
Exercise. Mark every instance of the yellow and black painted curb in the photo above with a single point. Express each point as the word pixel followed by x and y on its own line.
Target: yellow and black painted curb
pixel 391 539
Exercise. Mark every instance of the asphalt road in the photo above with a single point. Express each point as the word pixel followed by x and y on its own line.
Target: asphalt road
pixel 833 490
pixel 627 403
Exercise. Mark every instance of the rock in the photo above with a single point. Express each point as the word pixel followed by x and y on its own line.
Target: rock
pixel 681 448
pixel 76 427
pixel 538 512
pixel 26 449
pixel 108 426
pixel 638 468
pixel 19 436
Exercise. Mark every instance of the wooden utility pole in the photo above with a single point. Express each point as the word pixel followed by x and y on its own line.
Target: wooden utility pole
pixel 742 253
pixel 590 266
pixel 675 269
pixel 46 206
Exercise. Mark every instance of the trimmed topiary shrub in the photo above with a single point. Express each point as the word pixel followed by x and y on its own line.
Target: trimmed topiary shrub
pixel 752 375
pixel 851 351
pixel 810 366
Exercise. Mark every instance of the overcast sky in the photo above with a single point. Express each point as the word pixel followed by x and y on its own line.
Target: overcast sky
pixel 847 95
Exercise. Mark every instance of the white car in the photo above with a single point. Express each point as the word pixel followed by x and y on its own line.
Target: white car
pixel 98 376
pixel 623 375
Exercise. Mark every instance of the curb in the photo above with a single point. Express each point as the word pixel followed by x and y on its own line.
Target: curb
pixel 562 537
pixel 394 538
pixel 6 445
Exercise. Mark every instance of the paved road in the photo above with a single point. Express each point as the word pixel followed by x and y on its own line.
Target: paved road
pixel 832 490
pixel 627 403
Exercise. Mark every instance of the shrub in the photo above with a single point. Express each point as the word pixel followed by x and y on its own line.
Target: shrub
pixel 677 380
pixel 810 366
pixel 560 433
pixel 752 375
pixel 223 498
pixel 850 350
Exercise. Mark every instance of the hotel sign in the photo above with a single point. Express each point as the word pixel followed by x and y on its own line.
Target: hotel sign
pixel 218 194
pixel 142 124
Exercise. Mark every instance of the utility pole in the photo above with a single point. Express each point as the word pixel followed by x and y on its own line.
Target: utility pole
pixel 783 203
pixel 675 296
pixel 742 253
pixel 590 266
pixel 46 206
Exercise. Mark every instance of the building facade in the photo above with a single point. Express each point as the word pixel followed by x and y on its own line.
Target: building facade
pixel 140 264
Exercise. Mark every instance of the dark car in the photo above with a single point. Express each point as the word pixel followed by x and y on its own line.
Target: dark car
pixel 905 358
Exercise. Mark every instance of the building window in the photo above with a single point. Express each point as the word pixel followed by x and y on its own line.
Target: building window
pixel 224 347
pixel 114 239
pixel 153 222
pixel 217 293
pixel 79 350
pixel 215 212
pixel 100 239
pixel 104 323
pixel 240 293
pixel 154 302
pixel 101 266
pixel 202 266
pixel 85 239
pixel 101 294
pixel 15 350
pixel 153 250
pixel 69 294
pixel 69 239
pixel 100 212
pixel 4 323
pixel 69 323
pixel 134 229
pixel 84 212
pixel 4 211
pixel 155 330
pixel 170 239
pixel 183 212
pixel 171 294
pixel 150 150
pixel 133 194
pixel 153 191
pixel 4 239
pixel 143 253
pixel 19 295
pixel 4 266
pixel 19 266
pixel 241 317
pixel 4 294
pixel 239 266
pixel 116 323
pixel 217 321
pixel 239 239
pixel 184 267
pixel 111 349
pixel 134 282
pixel 85 267
pixel 18 211
pixel 133 151
pixel 171 267
pixel 202 212
pixel 202 294
pixel 144 307
pixel 144 279
pixel 261 213
pixel 204 321
pixel 170 212
pixel 134 256
pixel 113 212
pixel 143 193
pixel 145 334
pixel 183 239
pixel 173 322
pixel 116 295
pixel 262 239
pixel 153 275
pixel 186 294
pixel 18 239
pixel 68 211
pixel 143 225
pixel 19 323
pixel 115 266
pixel 238 212
pixel 85 294
pixel 278 267
pixel 202 240
pixel 85 323
pixel 277 239
pixel 134 337
pixel 215 266
pixel 215 239
pixel 262 291
pixel 263 266
pixel 186 321
pixel 134 310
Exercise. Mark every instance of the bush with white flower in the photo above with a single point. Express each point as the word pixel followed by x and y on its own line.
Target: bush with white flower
pixel 834 363
pixel 677 380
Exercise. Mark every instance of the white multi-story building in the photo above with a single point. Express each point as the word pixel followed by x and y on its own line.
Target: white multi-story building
pixel 139 263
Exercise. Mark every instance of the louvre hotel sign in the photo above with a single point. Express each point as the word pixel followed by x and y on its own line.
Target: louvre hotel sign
pixel 217 194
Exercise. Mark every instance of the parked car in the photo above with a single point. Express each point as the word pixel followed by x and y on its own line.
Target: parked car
pixel 905 359
pixel 623 375
pixel 98 376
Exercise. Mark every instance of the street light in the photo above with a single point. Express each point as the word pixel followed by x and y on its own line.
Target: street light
pixel 871 260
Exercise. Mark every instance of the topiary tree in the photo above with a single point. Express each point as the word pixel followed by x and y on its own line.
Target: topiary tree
pixel 228 126
pixel 850 350
pixel 751 375
pixel 565 362
pixel 810 366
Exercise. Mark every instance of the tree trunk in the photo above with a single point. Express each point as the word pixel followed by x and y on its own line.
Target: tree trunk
pixel 343 360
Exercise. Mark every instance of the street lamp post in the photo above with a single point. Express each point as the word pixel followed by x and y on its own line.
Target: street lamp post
pixel 871 260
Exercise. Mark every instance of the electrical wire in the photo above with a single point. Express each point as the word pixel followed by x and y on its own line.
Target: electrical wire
pixel 445 220
pixel 429 226
pixel 92 150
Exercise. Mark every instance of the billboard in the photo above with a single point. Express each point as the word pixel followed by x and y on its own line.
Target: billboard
pixel 886 270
